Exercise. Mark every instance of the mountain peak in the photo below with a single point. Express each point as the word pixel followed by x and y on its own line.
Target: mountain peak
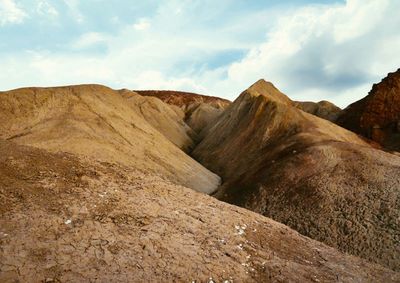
pixel 269 91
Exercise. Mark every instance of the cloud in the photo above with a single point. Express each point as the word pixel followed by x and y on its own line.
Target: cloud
pixel 324 51
pixel 73 6
pixel 11 13
pixel 89 39
pixel 142 24
pixel 44 8
pixel 311 52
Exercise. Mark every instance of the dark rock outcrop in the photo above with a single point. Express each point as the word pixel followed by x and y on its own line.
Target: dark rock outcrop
pixel 377 116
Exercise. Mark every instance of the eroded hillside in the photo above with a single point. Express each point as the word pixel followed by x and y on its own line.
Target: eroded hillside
pixel 68 218
pixel 97 121
pixel 320 179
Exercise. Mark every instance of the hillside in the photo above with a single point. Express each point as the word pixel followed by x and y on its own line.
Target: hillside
pixel 323 109
pixel 105 124
pixel 306 172
pixel 97 221
pixel 200 111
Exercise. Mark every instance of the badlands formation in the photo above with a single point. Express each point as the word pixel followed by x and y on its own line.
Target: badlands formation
pixel 377 116
pixel 306 172
pixel 103 185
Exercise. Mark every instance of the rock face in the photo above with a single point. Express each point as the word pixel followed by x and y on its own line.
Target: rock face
pixel 96 221
pixel 377 116
pixel 306 172
pixel 200 111
pixel 323 109
pixel 109 125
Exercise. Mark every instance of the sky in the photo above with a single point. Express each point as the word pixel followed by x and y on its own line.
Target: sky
pixel 311 50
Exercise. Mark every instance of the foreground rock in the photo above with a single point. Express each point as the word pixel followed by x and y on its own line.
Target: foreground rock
pixel 109 125
pixel 70 219
pixel 318 178
pixel 377 116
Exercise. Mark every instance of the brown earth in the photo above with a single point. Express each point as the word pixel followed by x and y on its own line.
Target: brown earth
pixel 106 124
pixel 185 99
pixel 323 109
pixel 377 116
pixel 200 111
pixel 306 172
pixel 167 120
pixel 68 218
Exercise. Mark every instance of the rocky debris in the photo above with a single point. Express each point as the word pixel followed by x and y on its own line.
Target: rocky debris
pixel 377 116
pixel 323 109
pixel 65 218
pixel 96 121
pixel 306 172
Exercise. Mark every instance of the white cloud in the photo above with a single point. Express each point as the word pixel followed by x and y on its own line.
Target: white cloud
pixel 44 8
pixel 89 39
pixel 333 52
pixel 73 6
pixel 11 13
pixel 327 51
pixel 142 24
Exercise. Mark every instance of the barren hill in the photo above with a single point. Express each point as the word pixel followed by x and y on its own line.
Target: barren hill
pixel 200 111
pixel 185 99
pixel 170 121
pixel 97 121
pixel 68 218
pixel 323 109
pixel 377 116
pixel 306 172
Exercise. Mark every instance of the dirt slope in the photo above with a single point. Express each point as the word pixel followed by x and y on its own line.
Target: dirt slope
pixel 65 218
pixel 306 172
pixel 97 121
pixel 377 116
pixel 201 111
pixel 323 109
pixel 185 99
pixel 168 121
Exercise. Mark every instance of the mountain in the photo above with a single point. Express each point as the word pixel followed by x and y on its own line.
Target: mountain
pixel 200 110
pixel 377 116
pixel 167 120
pixel 109 125
pixel 306 172
pixel 68 218
pixel 323 109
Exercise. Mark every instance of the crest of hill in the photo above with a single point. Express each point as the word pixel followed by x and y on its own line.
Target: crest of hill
pixel 323 109
pixel 184 99
pixel 377 116
pixel 97 121
pixel 320 179
pixel 200 111
pixel 88 220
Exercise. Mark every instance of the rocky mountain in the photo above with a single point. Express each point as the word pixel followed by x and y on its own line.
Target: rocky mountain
pixel 70 218
pixel 377 116
pixel 109 125
pixel 318 178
